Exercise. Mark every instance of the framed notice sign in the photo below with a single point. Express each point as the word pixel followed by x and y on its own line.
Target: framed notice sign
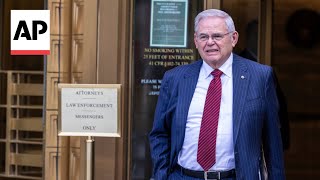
pixel 89 110
pixel 168 26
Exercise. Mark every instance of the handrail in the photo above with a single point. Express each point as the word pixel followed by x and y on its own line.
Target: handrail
pixel 20 72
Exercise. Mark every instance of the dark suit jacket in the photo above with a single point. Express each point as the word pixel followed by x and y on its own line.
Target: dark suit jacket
pixel 255 119
pixel 283 112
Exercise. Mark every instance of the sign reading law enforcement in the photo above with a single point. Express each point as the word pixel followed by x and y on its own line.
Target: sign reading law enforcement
pixel 89 110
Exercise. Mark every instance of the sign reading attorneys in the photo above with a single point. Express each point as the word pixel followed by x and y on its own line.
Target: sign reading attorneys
pixel 89 110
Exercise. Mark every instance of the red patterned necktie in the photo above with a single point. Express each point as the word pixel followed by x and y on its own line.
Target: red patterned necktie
pixel 206 155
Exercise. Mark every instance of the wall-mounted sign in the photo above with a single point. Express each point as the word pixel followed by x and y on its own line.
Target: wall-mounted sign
pixel 89 110
pixel 168 26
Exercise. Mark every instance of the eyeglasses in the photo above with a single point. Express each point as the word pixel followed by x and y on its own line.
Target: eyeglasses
pixel 215 37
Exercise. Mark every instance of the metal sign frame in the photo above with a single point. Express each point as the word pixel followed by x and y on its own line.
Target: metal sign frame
pixel 89 110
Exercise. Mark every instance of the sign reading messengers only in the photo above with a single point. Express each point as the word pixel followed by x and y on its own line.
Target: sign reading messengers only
pixel 89 110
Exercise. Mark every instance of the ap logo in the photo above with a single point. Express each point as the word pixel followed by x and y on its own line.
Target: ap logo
pixel 30 32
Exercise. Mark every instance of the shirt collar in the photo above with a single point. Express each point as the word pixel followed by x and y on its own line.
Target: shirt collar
pixel 226 67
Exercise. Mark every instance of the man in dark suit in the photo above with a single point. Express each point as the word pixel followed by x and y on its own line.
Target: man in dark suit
pixel 214 116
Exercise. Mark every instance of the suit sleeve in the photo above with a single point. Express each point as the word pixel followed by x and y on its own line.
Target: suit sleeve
pixel 272 144
pixel 159 136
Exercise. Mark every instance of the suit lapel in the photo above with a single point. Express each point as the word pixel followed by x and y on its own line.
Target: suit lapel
pixel 240 87
pixel 187 87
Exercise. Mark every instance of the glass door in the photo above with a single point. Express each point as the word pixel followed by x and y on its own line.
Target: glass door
pixel 245 14
pixel 163 39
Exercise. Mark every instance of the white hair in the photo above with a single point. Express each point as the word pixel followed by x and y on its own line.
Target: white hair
pixel 215 13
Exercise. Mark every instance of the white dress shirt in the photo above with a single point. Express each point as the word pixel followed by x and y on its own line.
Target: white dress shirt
pixel 224 144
